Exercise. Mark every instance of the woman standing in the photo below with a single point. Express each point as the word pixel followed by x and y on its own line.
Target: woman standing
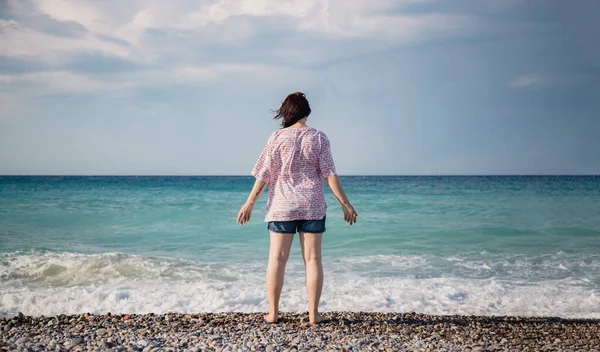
pixel 294 164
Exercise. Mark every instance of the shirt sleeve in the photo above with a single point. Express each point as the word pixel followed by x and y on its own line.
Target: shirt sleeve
pixel 326 164
pixel 262 168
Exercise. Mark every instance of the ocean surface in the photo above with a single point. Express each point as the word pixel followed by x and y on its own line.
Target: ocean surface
pixel 441 245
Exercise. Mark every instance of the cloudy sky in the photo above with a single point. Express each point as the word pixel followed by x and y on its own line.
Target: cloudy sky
pixel 401 87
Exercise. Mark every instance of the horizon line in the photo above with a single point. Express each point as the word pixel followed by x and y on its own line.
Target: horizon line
pixel 250 176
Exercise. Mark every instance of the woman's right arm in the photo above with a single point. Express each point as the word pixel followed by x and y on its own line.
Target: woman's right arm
pixel 336 187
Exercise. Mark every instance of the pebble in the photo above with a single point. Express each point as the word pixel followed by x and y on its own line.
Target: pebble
pixel 76 341
pixel 22 340
pixel 349 331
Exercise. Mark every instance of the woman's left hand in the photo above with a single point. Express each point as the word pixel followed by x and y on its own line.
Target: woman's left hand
pixel 245 213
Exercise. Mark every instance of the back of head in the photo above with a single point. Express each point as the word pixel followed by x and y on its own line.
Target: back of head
pixel 294 108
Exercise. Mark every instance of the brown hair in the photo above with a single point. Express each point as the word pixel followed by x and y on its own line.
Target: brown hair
pixel 294 108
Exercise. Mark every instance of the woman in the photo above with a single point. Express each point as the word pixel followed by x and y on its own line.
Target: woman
pixel 294 164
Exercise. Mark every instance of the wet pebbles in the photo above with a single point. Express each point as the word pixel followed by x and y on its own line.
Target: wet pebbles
pixel 342 331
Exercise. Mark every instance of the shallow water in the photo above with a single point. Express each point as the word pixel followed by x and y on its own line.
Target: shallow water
pixel 441 245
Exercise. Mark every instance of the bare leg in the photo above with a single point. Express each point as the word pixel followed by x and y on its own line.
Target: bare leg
pixel 311 253
pixel 278 257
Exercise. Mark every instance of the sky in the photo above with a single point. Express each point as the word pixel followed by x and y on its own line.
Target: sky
pixel 404 87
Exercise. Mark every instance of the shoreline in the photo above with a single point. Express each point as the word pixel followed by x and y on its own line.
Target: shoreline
pixel 349 331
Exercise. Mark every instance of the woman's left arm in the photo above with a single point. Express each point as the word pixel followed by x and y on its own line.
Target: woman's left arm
pixel 246 211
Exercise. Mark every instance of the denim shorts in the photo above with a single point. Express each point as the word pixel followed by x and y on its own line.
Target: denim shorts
pixel 310 226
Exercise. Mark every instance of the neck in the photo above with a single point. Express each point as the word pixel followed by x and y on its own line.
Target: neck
pixel 299 124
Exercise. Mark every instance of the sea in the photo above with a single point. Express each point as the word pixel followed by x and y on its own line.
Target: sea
pixel 485 245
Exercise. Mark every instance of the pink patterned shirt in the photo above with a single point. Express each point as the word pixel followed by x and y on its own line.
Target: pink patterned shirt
pixel 294 164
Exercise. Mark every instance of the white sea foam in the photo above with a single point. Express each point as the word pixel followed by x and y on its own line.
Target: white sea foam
pixel 57 283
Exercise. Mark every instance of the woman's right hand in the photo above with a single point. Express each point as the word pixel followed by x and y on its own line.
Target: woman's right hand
pixel 336 187
pixel 350 214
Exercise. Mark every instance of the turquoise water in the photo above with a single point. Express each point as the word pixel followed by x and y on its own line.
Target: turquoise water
pixel 442 245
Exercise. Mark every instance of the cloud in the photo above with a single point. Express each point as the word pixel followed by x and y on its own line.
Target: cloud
pixel 104 26
pixel 330 17
pixel 56 82
pixel 5 79
pixel 23 42
pixel 527 81
pixel 45 24
pixel 82 46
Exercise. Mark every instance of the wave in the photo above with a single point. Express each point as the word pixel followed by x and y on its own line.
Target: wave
pixel 49 283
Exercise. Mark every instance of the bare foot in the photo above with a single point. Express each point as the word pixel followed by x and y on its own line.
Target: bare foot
pixel 316 319
pixel 270 318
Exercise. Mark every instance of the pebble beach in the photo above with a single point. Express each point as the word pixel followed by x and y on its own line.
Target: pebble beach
pixel 340 331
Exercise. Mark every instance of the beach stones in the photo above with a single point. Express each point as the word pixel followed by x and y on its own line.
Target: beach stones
pixel 347 331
